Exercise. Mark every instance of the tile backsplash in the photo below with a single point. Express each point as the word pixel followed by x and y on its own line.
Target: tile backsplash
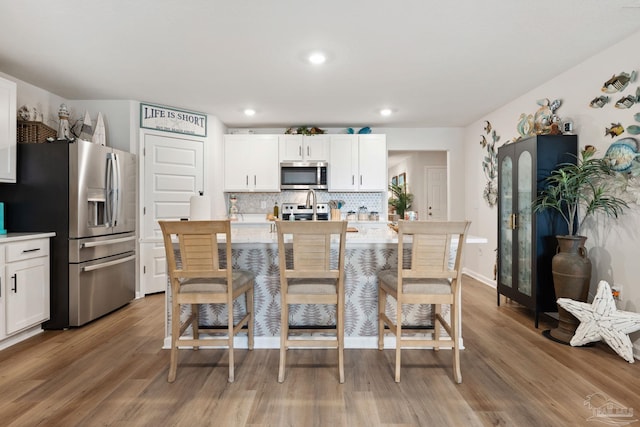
pixel 250 203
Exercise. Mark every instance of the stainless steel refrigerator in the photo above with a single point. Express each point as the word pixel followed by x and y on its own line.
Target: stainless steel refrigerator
pixel 86 194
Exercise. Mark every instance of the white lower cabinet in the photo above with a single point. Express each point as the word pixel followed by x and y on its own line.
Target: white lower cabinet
pixel 25 287
pixel 3 329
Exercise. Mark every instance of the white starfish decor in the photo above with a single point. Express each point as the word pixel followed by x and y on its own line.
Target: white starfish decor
pixel 602 320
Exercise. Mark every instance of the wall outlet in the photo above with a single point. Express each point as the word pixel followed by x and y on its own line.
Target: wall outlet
pixel 263 204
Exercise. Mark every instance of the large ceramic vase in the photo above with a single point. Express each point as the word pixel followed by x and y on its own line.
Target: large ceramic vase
pixel 571 269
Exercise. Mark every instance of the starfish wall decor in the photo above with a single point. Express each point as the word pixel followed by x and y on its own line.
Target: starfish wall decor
pixel 601 320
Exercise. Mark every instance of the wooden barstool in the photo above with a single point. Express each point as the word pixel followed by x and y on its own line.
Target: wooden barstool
pixel 434 277
pixel 201 278
pixel 311 277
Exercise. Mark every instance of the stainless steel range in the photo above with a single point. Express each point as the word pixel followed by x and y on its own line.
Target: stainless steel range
pixel 303 213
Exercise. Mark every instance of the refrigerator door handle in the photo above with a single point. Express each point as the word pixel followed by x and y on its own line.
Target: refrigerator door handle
pixel 107 242
pixel 116 189
pixel 108 263
pixel 109 190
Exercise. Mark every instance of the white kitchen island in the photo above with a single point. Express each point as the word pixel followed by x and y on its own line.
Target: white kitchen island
pixel 368 251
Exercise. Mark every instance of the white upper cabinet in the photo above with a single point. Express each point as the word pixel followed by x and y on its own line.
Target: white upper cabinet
pixel 7 131
pixel 251 163
pixel 358 163
pixel 372 157
pixel 303 148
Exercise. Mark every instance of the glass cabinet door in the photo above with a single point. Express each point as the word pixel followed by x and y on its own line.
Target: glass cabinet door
pixel 523 222
pixel 505 275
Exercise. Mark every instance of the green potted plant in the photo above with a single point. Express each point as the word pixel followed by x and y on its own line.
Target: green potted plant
pixel 400 199
pixel 576 189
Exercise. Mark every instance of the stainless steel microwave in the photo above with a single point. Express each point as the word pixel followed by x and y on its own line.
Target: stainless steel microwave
pixel 303 175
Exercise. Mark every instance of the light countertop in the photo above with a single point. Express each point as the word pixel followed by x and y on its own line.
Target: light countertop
pixel 15 237
pixel 368 233
pixel 259 231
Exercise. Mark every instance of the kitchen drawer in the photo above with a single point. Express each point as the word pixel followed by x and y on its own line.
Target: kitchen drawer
pixel 27 249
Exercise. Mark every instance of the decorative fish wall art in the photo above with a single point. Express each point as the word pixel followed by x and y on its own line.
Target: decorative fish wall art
pixel 618 83
pixel 599 101
pixel 622 153
pixel 616 129
pixel 625 102
pixel 633 129
pixel 629 100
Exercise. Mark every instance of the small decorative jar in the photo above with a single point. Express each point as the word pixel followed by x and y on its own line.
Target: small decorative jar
pixel 363 214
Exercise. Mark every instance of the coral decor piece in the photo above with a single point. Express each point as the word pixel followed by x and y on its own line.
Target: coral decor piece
pixel 544 121
pixel 601 320
pixel 490 164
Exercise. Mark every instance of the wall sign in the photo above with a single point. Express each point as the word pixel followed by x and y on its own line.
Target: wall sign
pixel 172 120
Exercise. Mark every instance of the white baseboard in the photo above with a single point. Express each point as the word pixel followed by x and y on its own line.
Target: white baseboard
pixel 20 336
pixel 479 277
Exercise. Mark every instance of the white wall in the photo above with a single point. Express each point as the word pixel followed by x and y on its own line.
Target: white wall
pixel 213 166
pixel 119 120
pixel 46 102
pixel 612 245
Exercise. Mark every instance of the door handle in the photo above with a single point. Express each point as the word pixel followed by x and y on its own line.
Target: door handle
pixel 512 222
pixel 15 283
pixel 108 264
pixel 26 251
pixel 107 242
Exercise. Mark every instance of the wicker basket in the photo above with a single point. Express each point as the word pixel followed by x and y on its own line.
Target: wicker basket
pixel 34 131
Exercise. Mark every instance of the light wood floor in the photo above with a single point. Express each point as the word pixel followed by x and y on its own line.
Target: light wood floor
pixel 113 373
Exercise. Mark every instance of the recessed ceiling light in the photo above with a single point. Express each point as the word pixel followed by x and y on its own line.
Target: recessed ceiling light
pixel 317 58
pixel 249 112
pixel 385 112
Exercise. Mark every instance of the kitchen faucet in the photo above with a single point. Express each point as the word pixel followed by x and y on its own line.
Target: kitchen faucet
pixel 310 193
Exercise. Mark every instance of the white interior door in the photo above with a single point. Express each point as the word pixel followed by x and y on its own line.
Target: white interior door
pixel 173 172
pixel 435 185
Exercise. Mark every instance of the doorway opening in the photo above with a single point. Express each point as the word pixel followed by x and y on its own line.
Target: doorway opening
pixel 426 175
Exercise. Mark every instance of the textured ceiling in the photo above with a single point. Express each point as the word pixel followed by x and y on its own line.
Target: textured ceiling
pixel 434 63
